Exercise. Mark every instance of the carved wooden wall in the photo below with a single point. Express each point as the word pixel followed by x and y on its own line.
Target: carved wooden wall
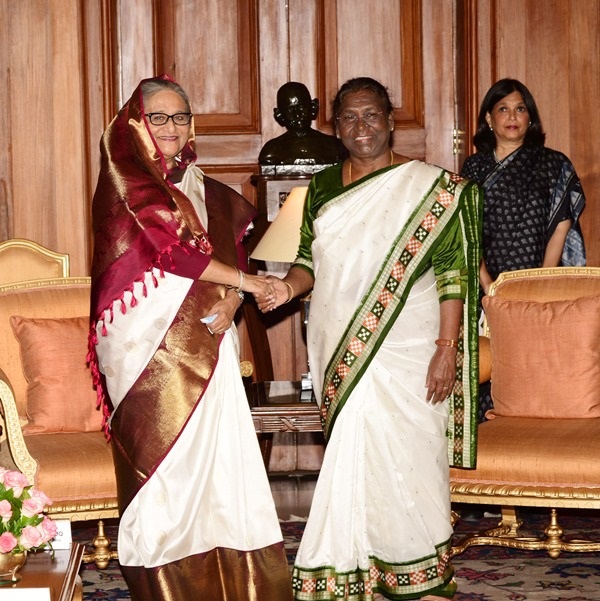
pixel 553 46
pixel 43 115
pixel 66 66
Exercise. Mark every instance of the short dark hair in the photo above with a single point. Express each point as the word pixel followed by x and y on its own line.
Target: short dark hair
pixel 358 84
pixel 158 84
pixel 484 139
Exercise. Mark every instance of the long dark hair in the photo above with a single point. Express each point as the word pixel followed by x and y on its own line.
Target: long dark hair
pixel 484 139
pixel 358 84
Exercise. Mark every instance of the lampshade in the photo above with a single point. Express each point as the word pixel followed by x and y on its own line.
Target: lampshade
pixel 281 240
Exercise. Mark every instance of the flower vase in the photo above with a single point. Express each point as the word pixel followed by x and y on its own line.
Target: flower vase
pixel 10 564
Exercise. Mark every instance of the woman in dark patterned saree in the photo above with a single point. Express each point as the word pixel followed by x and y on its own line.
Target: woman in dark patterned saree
pixel 532 196
pixel 390 248
pixel 197 516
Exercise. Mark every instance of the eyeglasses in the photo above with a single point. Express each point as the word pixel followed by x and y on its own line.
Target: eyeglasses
pixel 350 119
pixel 163 118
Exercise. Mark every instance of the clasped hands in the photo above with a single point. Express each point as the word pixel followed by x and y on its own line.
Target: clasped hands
pixel 270 293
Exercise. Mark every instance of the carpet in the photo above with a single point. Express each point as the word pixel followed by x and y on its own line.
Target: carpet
pixel 482 573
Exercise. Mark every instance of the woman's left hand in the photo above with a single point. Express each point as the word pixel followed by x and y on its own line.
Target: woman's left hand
pixel 441 374
pixel 224 312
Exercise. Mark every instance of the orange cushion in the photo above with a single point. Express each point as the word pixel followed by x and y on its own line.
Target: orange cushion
pixel 60 393
pixel 74 466
pixel 536 452
pixel 545 357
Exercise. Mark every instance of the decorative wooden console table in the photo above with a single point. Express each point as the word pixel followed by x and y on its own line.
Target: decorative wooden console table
pixel 280 407
pixel 58 574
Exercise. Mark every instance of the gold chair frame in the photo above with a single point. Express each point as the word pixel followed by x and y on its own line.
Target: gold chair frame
pixel 33 269
pixel 35 261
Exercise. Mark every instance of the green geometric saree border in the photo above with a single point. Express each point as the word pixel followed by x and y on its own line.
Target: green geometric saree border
pixel 396 580
pixel 386 296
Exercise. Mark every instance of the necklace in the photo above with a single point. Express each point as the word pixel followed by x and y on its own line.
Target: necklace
pixel 391 163
pixel 498 161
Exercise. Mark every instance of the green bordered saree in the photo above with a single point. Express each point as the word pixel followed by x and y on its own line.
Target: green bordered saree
pixel 450 200
pixel 445 203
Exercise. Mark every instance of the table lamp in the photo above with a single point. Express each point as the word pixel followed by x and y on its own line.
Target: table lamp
pixel 280 244
pixel 282 238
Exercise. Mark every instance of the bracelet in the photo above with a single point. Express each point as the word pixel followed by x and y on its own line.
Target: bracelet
pixel 239 287
pixel 446 342
pixel 291 292
pixel 238 293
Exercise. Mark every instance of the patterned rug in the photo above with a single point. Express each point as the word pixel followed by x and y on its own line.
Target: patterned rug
pixel 482 573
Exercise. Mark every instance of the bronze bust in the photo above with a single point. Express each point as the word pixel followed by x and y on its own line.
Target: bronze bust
pixel 300 144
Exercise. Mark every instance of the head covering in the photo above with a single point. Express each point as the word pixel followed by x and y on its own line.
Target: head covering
pixel 138 215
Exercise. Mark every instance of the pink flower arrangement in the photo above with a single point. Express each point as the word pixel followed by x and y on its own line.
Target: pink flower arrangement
pixel 23 525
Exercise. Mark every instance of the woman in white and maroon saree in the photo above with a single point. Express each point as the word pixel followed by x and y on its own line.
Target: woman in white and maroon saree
pixel 197 516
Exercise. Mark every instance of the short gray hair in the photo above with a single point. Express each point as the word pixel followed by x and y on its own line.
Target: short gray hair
pixel 153 86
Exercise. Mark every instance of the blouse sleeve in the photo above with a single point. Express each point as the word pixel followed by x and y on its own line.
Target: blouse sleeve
pixel 321 187
pixel 450 265
pixel 468 169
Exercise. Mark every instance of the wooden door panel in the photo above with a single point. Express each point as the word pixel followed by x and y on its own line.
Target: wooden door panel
pixel 212 49
pixel 380 40
pixel 553 47
pixel 43 179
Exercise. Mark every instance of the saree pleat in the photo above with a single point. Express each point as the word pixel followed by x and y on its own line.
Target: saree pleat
pixel 148 412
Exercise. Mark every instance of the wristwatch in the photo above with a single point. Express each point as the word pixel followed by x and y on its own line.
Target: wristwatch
pixel 238 291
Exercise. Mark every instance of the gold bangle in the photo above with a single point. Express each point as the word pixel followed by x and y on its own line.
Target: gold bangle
pixel 291 291
pixel 446 342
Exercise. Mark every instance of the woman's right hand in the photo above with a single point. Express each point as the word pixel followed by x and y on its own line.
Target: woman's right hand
pixel 257 284
pixel 279 295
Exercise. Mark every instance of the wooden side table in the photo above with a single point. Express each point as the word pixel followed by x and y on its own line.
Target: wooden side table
pixel 59 574
pixel 280 407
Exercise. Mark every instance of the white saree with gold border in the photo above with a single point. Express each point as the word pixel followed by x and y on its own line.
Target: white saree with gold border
pixel 211 490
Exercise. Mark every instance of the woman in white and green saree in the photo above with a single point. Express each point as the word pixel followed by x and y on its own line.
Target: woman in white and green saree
pixel 390 248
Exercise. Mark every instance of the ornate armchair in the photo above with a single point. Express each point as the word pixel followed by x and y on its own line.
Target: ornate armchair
pixel 27 260
pixel 541 445
pixel 53 430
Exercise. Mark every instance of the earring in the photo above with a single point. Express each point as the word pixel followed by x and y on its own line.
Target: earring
pixel 491 128
pixel 529 124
